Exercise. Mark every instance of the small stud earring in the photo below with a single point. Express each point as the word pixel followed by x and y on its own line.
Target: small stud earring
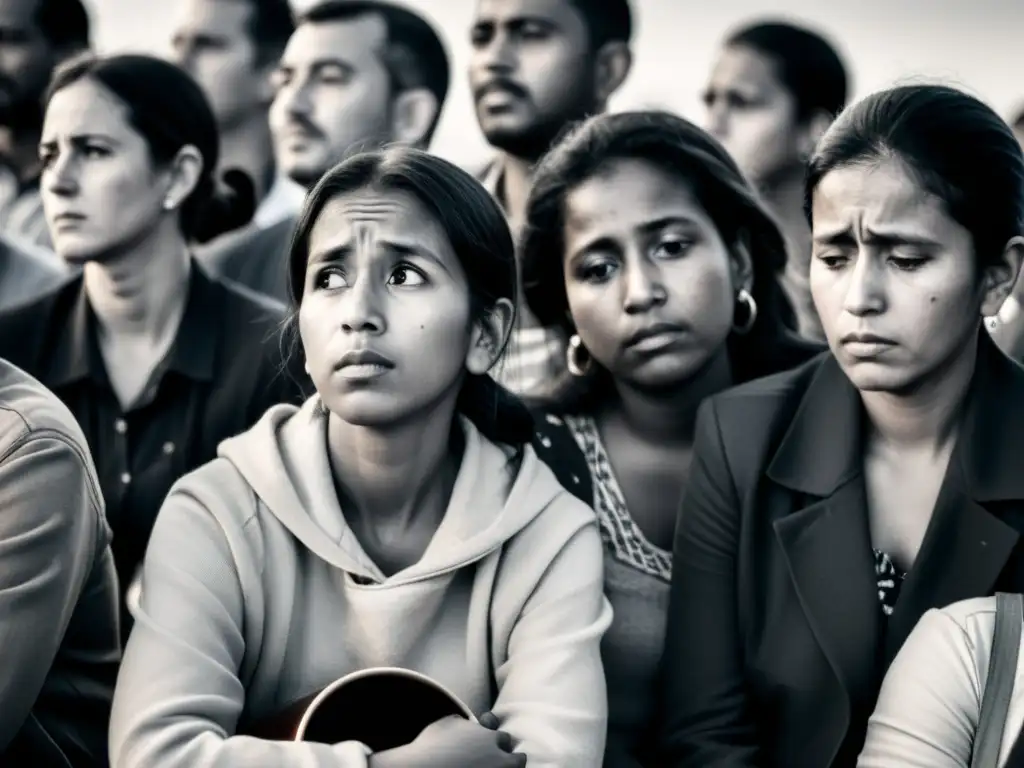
pixel 168 204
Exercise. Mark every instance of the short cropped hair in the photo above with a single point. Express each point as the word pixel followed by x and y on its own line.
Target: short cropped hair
pixel 416 56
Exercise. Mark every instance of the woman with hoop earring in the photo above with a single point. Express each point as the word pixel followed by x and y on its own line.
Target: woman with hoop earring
pixel 648 247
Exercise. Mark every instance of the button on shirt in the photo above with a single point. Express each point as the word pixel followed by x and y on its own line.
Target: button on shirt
pixel 222 372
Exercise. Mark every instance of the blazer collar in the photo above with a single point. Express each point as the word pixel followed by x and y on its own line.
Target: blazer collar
pixel 823 447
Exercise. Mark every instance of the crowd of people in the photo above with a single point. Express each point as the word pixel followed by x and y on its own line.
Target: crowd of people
pixel 657 444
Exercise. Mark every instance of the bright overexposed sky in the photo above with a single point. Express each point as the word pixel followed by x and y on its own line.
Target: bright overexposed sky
pixel 974 44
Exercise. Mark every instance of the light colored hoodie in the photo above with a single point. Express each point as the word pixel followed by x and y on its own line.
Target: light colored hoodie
pixel 248 603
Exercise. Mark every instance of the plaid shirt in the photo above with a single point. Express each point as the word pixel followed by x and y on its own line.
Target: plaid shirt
pixel 535 358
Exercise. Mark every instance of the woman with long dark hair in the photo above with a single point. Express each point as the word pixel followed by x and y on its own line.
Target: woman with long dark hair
pixel 399 518
pixel 649 250
pixel 158 361
pixel 828 508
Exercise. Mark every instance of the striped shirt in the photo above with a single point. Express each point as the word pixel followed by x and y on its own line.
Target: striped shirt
pixel 535 358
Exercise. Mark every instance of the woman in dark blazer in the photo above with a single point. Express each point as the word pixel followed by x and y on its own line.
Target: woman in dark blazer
pixel 828 508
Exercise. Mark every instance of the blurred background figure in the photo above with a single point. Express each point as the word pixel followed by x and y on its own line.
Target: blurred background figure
pixel 674 45
pixel 1007 328
pixel 232 48
pixel 773 91
pixel 537 67
pixel 35 36
pixel 355 75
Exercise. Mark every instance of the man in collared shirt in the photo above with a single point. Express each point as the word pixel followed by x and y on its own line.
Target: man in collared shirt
pixel 59 641
pixel 224 369
pixel 355 75
pixel 538 66
pixel 35 36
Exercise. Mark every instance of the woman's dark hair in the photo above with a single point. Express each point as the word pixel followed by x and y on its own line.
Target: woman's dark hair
pixel 680 148
pixel 64 24
pixel 168 108
pixel 806 63
pixel 955 146
pixel 479 236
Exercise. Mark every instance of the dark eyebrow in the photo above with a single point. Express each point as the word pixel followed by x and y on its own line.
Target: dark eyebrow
pixel 649 227
pixel 514 23
pixel 415 252
pixel 842 238
pixel 335 255
pixel 846 239
pixel 597 244
pixel 80 139
pixel 518 22
pixel 318 64
pixel 200 38
pixel 341 253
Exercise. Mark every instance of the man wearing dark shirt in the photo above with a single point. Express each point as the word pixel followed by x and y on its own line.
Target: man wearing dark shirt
pixel 59 641
pixel 355 75
pixel 225 368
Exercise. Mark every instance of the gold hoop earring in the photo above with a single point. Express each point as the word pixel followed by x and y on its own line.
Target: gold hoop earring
pixel 745 300
pixel 572 354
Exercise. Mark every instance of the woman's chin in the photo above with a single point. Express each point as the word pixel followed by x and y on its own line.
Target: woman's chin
pixel 373 410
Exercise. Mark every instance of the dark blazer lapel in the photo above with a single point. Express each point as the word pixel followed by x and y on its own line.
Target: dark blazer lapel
pixel 826 540
pixel 967 544
pixel 827 546
pixel 963 553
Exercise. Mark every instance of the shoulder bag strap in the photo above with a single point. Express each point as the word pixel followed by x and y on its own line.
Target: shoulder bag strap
pixel 1002 672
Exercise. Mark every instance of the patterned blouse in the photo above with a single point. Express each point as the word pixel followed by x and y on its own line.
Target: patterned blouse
pixel 622 536
pixel 890 579
pixel 637 575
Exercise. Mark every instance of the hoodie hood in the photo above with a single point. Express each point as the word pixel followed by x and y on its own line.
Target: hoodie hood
pixel 284 460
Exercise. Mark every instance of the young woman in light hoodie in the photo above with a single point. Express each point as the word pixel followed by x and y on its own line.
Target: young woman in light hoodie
pixel 398 518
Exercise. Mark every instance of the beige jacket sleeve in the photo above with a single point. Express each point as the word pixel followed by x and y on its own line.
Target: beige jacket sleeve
pixel 179 697
pixel 552 698
pixel 930 703
pixel 49 513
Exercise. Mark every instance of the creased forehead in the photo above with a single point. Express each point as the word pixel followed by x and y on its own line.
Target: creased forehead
pixel 369 213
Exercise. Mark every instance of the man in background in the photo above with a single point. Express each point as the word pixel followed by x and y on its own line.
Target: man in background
pixel 355 75
pixel 537 67
pixel 232 48
pixel 35 36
